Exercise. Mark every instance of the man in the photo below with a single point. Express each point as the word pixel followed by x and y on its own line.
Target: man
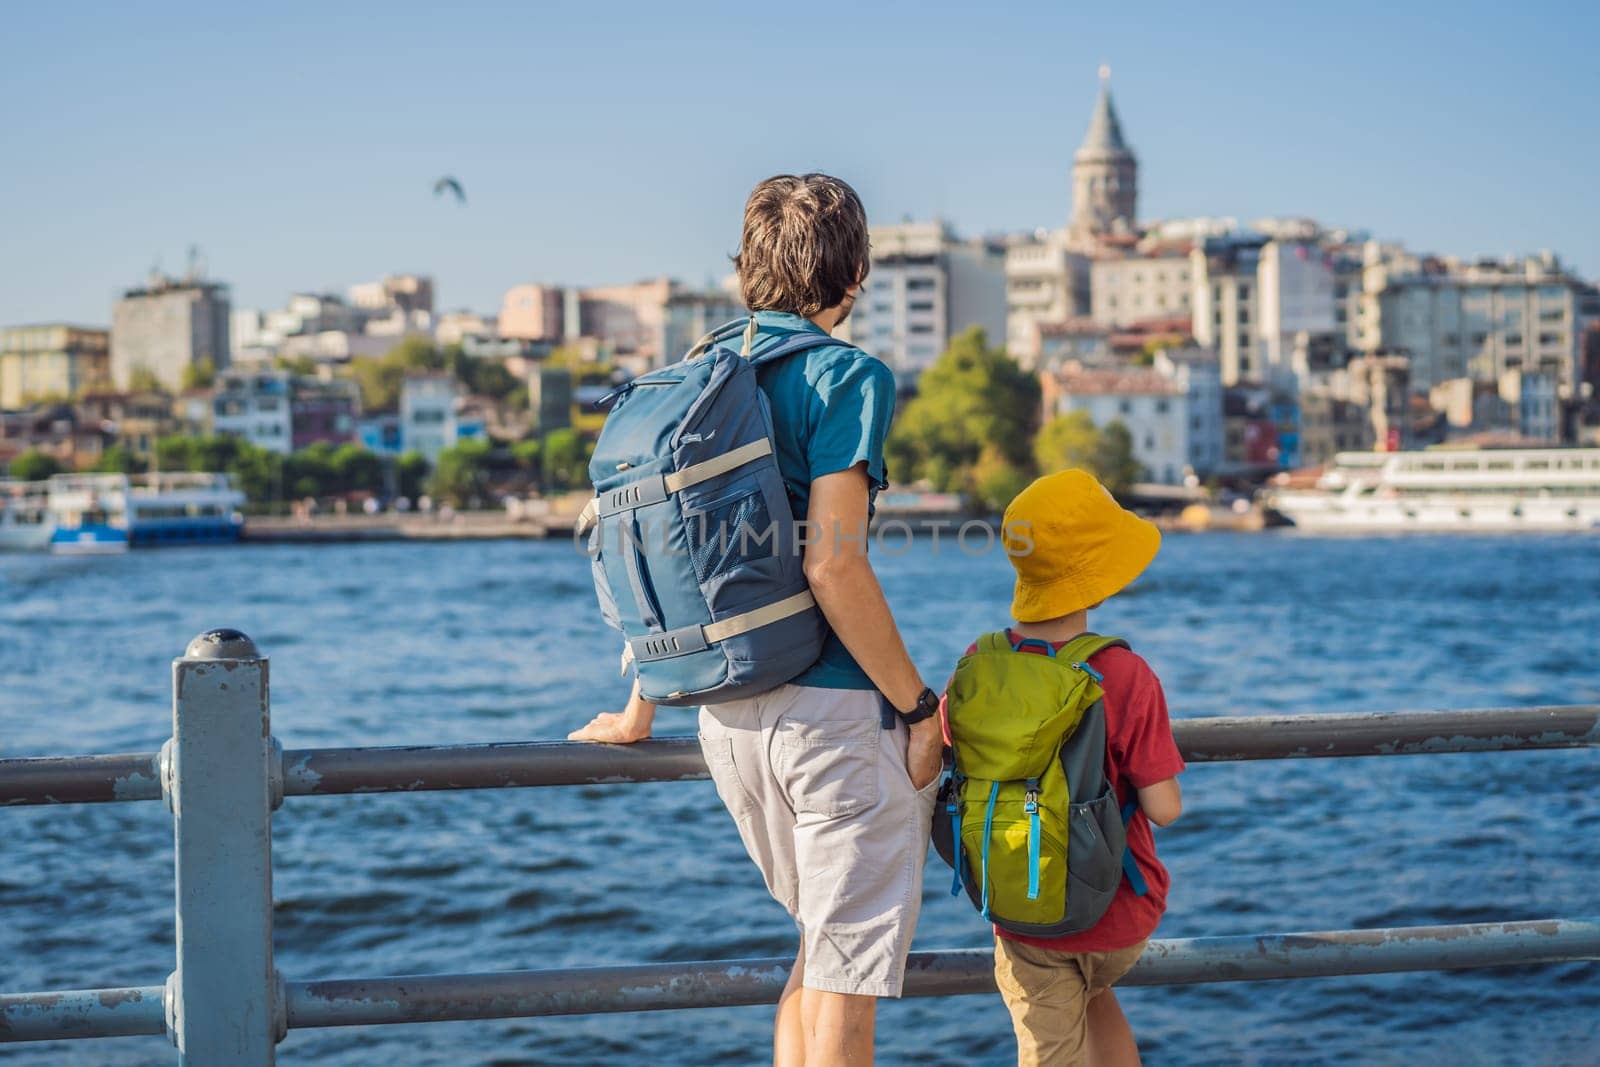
pixel 832 804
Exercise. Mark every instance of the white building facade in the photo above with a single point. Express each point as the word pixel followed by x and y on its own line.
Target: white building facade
pixel 1172 411
pixel 428 414
pixel 925 286
pixel 1477 320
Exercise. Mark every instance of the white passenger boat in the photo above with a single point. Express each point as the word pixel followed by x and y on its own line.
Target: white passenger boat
pixel 1550 489
pixel 79 514
pixel 25 519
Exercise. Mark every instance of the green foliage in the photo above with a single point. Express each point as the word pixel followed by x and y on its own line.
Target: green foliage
pixel 566 460
pixel 304 366
pixel 380 378
pixel 1067 441
pixel 484 377
pixel 201 374
pixel 525 454
pixel 411 472
pixel 119 459
pixel 35 466
pixel 142 379
pixel 1114 462
pixel 322 470
pixel 461 473
pixel 357 470
pixel 996 480
pixel 973 397
pixel 1073 440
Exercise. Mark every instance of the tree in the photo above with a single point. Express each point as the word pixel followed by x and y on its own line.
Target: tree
pixel 201 374
pixel 1114 462
pixel 35 466
pixel 525 454
pixel 142 379
pixel 356 470
pixel 1073 440
pixel 119 459
pixel 972 397
pixel 566 460
pixel 411 471
pixel 461 473
pixel 380 378
pixel 1067 441
pixel 996 480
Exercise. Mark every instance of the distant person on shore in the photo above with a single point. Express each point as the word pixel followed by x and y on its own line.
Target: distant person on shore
pixel 1073 547
pixel 830 783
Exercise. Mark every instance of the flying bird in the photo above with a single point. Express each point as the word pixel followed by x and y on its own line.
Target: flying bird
pixel 450 184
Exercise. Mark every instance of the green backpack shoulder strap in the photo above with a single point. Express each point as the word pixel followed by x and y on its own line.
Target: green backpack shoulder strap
pixel 1080 648
pixel 993 642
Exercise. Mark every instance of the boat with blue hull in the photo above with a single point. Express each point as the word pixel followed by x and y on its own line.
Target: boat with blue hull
pixel 94 514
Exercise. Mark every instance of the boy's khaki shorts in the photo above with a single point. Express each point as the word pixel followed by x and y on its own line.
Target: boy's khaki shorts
pixel 1048 994
pixel 824 805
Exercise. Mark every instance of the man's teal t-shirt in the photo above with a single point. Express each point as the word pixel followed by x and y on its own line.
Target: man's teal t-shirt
pixel 831 409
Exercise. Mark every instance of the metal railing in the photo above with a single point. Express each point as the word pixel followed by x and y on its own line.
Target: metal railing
pixel 222 774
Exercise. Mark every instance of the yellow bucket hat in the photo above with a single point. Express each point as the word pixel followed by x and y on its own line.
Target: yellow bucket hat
pixel 1072 545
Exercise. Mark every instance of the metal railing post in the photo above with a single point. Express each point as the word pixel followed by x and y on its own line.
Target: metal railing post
pixel 222 1000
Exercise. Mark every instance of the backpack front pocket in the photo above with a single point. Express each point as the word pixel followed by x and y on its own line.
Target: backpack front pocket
pixel 730 531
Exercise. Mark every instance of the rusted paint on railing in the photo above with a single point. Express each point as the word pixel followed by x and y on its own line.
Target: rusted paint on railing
pixel 672 986
pixel 411 768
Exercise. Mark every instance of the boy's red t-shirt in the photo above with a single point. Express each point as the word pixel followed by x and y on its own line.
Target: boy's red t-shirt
pixel 1140 751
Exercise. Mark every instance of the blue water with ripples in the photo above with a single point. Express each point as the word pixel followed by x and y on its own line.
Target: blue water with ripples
pixel 394 644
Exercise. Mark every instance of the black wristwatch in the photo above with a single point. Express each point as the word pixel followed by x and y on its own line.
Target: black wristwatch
pixel 927 706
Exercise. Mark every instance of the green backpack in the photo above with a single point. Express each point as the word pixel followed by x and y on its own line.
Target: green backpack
pixel 1026 816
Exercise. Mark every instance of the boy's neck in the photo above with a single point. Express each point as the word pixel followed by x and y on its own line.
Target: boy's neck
pixel 1054 630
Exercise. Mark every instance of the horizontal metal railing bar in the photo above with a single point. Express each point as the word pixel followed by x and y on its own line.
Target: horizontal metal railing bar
pixel 80 779
pixel 330 771
pixel 671 986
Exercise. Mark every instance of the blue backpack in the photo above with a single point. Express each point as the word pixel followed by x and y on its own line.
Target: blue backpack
pixel 692 538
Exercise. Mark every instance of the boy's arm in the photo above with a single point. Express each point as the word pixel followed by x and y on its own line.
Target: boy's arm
pixel 631 724
pixel 848 593
pixel 1162 802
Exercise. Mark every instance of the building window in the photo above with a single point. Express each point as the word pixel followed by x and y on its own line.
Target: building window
pixel 1244 290
pixel 920 305
pixel 1125 406
pixel 1549 338
pixel 921 327
pixel 1161 406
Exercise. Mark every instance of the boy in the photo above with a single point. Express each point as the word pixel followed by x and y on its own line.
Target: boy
pixel 1073 547
pixel 831 777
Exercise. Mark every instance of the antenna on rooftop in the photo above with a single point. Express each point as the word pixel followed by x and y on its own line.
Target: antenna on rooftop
pixel 197 266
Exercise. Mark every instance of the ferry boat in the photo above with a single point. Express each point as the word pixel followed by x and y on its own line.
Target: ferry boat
pixel 1554 489
pixel 25 520
pixel 99 513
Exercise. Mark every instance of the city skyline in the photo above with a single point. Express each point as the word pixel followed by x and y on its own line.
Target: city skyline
pixel 300 161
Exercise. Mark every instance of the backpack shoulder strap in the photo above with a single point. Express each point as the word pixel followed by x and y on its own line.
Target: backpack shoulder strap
pixel 1083 646
pixel 799 342
pixel 718 335
pixel 993 642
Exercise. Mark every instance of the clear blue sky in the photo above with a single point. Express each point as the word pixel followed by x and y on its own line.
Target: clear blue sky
pixel 296 144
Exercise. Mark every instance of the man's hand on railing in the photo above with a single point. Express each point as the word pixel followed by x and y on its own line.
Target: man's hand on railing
pixel 623 727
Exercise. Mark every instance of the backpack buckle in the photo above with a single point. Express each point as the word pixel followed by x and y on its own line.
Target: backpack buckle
pixel 1030 803
pixel 1090 671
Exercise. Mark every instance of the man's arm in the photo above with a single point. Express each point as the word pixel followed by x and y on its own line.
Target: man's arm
pixel 631 724
pixel 852 601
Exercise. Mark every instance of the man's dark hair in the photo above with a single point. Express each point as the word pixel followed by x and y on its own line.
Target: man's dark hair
pixel 804 244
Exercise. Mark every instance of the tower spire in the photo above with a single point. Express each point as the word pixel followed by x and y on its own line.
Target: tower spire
pixel 1104 171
